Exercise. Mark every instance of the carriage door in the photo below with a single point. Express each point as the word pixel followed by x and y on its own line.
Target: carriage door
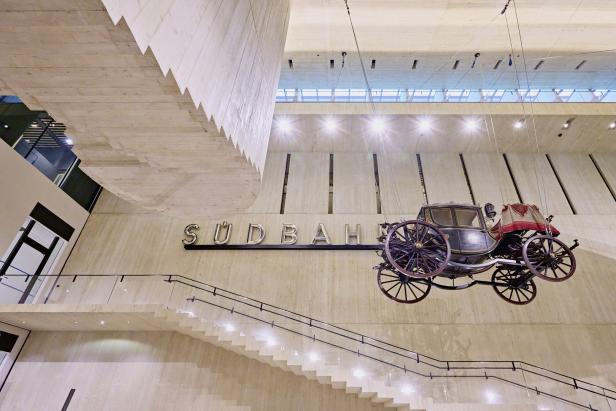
pixel 33 252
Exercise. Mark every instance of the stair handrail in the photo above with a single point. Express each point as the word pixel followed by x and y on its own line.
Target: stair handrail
pixel 449 365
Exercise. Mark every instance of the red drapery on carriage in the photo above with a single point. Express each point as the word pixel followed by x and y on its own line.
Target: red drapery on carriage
pixel 516 217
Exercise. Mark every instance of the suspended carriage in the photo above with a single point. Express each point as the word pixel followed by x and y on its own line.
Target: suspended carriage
pixel 449 244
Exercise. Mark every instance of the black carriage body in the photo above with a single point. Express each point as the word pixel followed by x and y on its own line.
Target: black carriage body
pixel 450 243
pixel 465 228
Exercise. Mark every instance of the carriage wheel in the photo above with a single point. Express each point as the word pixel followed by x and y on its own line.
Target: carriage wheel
pixel 548 258
pixel 506 283
pixel 417 249
pixel 402 288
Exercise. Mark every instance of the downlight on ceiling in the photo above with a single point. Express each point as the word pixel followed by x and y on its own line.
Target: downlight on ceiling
pixel 518 124
pixel 425 124
pixel 377 124
pixel 284 125
pixel 471 124
pixel 331 125
pixel 612 125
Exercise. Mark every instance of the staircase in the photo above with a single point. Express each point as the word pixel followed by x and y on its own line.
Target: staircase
pixel 331 355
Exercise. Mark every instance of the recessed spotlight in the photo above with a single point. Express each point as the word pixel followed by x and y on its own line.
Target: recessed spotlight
pixel 425 124
pixel 377 124
pixel 359 373
pixel 567 123
pixel 313 357
pixel 407 389
pixel 518 124
pixel 102 322
pixel 331 124
pixel 69 141
pixel 284 125
pixel 229 327
pixel 612 125
pixel 5 125
pixel 471 124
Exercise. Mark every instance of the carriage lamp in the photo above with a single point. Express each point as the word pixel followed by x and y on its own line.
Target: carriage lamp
pixel 489 210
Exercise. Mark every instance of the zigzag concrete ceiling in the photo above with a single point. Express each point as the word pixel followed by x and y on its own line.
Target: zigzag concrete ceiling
pixel 169 102
pixel 557 35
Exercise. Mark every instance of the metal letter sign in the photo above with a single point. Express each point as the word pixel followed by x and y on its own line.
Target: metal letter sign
pixel 255 237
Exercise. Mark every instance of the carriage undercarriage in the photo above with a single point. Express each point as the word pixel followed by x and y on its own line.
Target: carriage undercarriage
pixel 418 256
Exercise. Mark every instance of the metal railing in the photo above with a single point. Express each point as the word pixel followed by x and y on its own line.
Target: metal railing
pixel 390 355
pixel 405 95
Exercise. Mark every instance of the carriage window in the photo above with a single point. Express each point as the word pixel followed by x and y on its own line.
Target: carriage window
pixel 468 217
pixel 442 216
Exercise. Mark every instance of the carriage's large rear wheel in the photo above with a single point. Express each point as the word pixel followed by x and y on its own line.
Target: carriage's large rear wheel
pixel 548 258
pixel 514 285
pixel 402 288
pixel 417 249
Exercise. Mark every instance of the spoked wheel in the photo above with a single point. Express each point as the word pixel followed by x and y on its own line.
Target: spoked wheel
pixel 417 249
pixel 402 288
pixel 548 258
pixel 511 286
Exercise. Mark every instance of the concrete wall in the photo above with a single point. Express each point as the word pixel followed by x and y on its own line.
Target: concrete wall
pixel 340 286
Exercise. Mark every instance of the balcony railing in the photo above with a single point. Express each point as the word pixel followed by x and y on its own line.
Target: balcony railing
pixel 403 95
pixel 485 381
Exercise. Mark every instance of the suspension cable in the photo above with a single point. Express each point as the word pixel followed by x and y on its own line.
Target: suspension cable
pixel 539 179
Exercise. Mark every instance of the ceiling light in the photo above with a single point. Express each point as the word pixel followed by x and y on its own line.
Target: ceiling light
pixel 377 124
pixel 5 125
pixel 518 124
pixel 425 124
pixel 331 125
pixel 229 327
pixel 566 125
pixel 471 124
pixel 284 125
pixel 69 141
pixel 313 357
pixel 612 125
pixel 102 322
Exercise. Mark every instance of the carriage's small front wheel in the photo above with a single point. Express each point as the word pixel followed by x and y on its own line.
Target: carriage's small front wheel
pixel 417 249
pixel 514 285
pixel 401 288
pixel 548 258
